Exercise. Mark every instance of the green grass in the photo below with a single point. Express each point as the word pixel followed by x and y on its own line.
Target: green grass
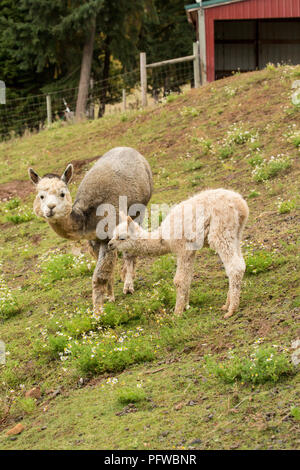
pixel 60 266
pixel 8 302
pixel 91 369
pixel 261 261
pixel 271 168
pixel 263 365
pixel 285 207
pixel 131 395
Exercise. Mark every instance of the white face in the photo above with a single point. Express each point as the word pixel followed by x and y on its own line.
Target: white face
pixel 124 236
pixel 53 199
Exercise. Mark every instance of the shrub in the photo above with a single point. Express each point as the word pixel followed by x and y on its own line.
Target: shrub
pixel 284 207
pixel 225 152
pixel 111 356
pixel 258 262
pixel 8 302
pixel 13 203
pixel 238 135
pixel 253 194
pixel 270 168
pixel 256 160
pixel 295 412
pixel 296 140
pixel 193 166
pixel 189 111
pixel 171 98
pixel 24 214
pixel 265 365
pixel 23 405
pixel 196 181
pixel 130 395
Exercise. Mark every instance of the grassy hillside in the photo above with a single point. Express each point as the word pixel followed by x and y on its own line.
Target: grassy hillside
pixel 139 378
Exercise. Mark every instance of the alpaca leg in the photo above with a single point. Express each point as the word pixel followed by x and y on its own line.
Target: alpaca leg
pixel 227 303
pixel 235 269
pixel 235 282
pixel 128 273
pixel 93 247
pixel 227 245
pixel 110 282
pixel 182 281
pixel 102 277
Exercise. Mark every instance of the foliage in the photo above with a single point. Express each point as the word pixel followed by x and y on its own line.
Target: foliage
pixel 268 169
pixel 41 46
pixel 60 266
pixel 260 261
pixel 295 412
pixel 26 405
pixel 127 395
pixel 264 365
pixel 284 207
pixel 24 214
pixel 8 302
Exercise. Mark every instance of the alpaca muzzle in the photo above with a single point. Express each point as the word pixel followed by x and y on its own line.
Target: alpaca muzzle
pixel 111 245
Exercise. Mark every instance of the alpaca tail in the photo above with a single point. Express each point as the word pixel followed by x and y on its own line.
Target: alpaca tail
pixel 243 214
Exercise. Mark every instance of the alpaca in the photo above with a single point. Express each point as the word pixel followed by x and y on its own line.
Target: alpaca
pixel 120 172
pixel 216 215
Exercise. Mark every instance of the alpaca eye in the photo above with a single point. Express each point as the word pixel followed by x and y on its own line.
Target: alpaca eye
pixel 41 196
pixel 62 195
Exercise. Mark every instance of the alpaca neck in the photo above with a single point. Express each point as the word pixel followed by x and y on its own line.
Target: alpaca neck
pixel 70 227
pixel 151 243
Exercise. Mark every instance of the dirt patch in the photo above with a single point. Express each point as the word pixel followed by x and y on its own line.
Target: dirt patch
pixel 15 188
pixel 36 239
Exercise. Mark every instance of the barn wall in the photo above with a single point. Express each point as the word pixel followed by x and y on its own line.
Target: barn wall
pixel 251 9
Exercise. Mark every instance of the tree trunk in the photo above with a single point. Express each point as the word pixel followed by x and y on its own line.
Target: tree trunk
pixel 105 88
pixel 86 65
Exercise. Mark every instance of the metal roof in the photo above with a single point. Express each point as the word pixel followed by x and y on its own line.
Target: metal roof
pixel 210 3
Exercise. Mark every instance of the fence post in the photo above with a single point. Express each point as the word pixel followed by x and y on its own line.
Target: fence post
pixel 49 110
pixel 197 82
pixel 124 99
pixel 143 71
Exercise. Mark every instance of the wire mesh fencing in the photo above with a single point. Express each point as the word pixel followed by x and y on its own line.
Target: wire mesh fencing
pixel 170 78
pixel 118 93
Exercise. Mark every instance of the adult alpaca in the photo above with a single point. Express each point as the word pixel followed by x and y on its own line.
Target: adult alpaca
pixel 120 172
pixel 216 215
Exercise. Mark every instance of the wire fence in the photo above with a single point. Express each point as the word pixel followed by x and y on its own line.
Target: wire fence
pixel 116 94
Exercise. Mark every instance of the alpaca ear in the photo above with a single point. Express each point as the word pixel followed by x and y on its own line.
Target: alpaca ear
pixel 129 220
pixel 122 217
pixel 68 174
pixel 33 176
pixel 130 225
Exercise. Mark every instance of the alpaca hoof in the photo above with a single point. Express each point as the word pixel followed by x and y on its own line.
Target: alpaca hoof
pixel 128 289
pixel 228 314
pixel 178 313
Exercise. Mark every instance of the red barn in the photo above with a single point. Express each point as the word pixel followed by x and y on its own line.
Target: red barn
pixel 245 34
